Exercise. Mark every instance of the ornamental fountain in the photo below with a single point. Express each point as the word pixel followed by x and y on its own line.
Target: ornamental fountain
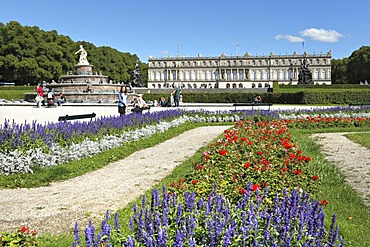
pixel 83 86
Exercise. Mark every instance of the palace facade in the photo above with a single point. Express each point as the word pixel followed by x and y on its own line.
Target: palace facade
pixel 236 71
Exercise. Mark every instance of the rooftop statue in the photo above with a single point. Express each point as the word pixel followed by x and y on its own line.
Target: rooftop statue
pixel 83 56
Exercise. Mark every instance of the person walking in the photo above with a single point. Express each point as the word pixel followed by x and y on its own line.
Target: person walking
pixel 176 96
pixel 40 95
pixel 122 100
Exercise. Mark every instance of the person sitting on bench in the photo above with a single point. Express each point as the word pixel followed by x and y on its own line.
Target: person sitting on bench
pixel 50 99
pixel 258 99
pixel 139 104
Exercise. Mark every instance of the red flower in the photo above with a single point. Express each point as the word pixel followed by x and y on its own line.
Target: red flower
pixel 297 172
pixel 24 229
pixel 256 187
pixel 206 155
pixel 324 202
pixel 243 139
pixel 259 152
pixel 249 143
pixel 247 165
pixel 243 191
pixel 223 152
pixel 194 182
pixel 315 177
pixel 200 167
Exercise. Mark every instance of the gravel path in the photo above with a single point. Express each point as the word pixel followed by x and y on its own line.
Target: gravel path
pixel 351 158
pixel 55 208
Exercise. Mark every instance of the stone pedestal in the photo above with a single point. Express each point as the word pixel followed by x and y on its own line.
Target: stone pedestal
pixel 83 69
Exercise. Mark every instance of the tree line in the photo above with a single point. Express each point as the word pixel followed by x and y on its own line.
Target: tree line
pixel 352 70
pixel 29 55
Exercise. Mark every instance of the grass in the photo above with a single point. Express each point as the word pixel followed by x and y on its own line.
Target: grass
pixel 360 138
pixel 14 93
pixel 352 215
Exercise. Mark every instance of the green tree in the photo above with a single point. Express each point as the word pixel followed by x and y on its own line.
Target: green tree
pixel 358 68
pixel 338 71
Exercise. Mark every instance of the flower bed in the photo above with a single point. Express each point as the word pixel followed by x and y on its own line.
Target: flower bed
pixel 293 220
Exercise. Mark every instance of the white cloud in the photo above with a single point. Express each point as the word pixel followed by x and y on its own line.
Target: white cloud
pixel 322 35
pixel 290 38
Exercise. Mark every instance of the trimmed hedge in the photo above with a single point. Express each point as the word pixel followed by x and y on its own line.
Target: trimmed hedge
pixel 349 97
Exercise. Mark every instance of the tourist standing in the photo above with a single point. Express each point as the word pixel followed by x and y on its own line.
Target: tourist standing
pixel 122 100
pixel 176 97
pixel 40 95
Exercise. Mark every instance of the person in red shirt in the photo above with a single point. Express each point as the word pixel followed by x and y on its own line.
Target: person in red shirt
pixel 40 95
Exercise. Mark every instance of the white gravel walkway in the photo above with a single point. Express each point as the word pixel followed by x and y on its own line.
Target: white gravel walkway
pixel 351 158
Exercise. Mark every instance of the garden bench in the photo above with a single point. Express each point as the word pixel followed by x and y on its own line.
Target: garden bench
pixel 75 117
pixel 359 104
pixel 253 104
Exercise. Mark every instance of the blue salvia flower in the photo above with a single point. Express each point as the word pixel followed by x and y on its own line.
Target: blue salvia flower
pixel 116 222
pixel 90 235
pixel 162 237
pixel 243 224
pixel 106 228
pixel 179 239
pixel 130 242
pixel 76 241
pixel 178 213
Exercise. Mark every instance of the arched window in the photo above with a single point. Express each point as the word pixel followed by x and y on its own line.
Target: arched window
pixel 228 85
pixel 240 85
pixel 234 85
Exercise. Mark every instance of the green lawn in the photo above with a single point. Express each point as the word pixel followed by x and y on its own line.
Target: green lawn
pixel 360 138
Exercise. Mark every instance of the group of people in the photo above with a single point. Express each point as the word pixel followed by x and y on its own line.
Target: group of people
pixel 50 98
pixel 139 103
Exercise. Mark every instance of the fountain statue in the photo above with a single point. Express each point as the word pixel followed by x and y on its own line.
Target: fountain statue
pixel 135 79
pixel 305 75
pixel 83 56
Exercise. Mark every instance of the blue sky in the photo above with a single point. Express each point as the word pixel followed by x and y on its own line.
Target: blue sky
pixel 206 27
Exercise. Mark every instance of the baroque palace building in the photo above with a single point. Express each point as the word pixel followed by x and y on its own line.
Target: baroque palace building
pixel 236 71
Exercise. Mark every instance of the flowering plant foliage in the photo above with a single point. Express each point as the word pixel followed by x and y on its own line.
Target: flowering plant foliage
pixel 21 237
pixel 189 220
pixel 26 136
pixel 259 152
